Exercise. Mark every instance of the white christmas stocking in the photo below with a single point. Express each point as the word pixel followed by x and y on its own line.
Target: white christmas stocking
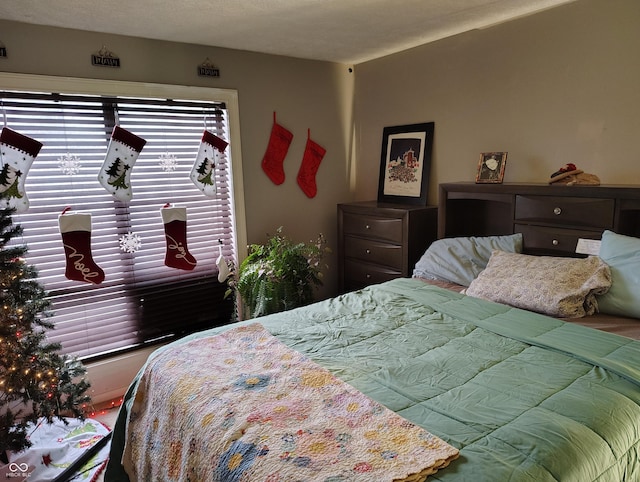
pixel 203 172
pixel 122 153
pixel 17 153
pixel 223 267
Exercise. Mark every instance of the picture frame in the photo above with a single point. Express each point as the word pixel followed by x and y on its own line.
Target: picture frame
pixel 405 163
pixel 491 167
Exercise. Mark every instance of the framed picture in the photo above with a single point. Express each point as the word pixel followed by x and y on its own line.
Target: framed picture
pixel 405 163
pixel 491 167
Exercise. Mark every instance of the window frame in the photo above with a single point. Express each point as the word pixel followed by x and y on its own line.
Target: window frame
pixel 66 85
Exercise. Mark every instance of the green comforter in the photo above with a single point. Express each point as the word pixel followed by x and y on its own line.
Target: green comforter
pixel 523 396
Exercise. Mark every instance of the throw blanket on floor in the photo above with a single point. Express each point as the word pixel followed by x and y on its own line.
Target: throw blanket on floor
pixel 55 447
pixel 242 406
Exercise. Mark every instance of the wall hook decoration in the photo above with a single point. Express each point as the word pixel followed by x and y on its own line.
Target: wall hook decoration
pixel 105 58
pixel 207 69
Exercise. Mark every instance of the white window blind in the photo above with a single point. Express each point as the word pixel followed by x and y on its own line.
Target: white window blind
pixel 141 299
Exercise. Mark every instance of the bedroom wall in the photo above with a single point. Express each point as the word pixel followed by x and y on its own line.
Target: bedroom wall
pixel 305 94
pixel 555 87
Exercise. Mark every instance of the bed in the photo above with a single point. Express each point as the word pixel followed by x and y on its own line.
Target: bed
pixel 496 391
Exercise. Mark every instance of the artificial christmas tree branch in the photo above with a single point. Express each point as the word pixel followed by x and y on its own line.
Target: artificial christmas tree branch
pixel 35 380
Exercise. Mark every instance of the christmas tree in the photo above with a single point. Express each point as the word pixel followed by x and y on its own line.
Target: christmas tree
pixel 116 173
pixel 35 380
pixel 9 181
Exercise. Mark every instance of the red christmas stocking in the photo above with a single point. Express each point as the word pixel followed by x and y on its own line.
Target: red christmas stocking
pixel 17 153
pixel 313 154
pixel 76 238
pixel 273 160
pixel 175 232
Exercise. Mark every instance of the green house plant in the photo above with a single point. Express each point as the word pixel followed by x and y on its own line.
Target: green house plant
pixel 280 274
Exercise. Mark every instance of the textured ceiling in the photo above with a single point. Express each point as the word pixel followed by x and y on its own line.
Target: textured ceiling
pixel 345 31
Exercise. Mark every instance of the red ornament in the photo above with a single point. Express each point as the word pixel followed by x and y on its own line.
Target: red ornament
pixel 566 168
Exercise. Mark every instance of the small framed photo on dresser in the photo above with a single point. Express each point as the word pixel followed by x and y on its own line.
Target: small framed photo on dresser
pixel 491 167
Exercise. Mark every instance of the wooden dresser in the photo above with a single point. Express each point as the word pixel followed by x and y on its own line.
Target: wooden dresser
pixel 552 218
pixel 381 241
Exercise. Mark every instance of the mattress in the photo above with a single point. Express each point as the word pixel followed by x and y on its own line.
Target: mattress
pixel 523 396
pixel 620 325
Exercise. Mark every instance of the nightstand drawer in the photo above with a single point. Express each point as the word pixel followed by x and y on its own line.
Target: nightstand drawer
pixel 378 241
pixel 548 240
pixel 389 229
pixel 358 274
pixel 373 251
pixel 568 211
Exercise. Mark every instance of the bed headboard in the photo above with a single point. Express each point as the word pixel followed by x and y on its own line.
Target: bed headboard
pixel 551 218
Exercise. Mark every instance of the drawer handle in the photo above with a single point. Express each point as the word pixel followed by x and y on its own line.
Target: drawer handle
pixel 557 211
pixel 368 251
pixel 368 276
pixel 555 242
pixel 367 227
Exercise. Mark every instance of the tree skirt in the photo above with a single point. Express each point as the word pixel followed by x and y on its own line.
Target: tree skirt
pixel 55 447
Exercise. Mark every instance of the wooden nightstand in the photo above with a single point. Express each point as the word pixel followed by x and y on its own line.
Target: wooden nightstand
pixel 381 241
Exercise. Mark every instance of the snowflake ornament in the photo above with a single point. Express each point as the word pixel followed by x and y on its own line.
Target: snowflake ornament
pixel 69 164
pixel 168 162
pixel 130 243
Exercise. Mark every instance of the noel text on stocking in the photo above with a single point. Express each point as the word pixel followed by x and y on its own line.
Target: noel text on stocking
pixel 75 229
pixel 82 269
pixel 175 229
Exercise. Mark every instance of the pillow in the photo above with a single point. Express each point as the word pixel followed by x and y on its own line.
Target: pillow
pixel 460 260
pixel 622 254
pixel 561 287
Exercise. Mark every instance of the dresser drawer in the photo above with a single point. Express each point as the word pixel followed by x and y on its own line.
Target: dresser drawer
pixel 373 251
pixel 389 229
pixel 549 240
pixel 359 274
pixel 568 211
pixel 378 241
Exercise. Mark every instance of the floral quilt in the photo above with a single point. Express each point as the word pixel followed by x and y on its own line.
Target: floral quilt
pixel 242 406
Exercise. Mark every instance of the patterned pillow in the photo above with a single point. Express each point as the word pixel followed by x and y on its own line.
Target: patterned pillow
pixel 561 287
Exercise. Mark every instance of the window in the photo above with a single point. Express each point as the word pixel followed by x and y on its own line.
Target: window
pixel 141 300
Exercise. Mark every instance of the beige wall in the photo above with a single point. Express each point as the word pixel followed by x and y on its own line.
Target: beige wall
pixel 559 86
pixel 556 87
pixel 305 94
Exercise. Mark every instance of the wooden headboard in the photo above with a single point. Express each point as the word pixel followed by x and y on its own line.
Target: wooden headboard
pixel 551 217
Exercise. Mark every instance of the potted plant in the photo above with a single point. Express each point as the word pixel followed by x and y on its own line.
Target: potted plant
pixel 280 274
